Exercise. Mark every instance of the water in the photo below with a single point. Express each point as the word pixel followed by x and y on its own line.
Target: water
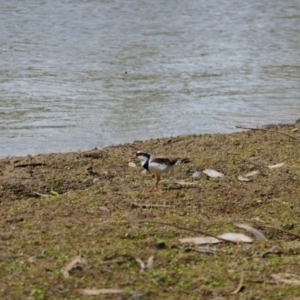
pixel 84 74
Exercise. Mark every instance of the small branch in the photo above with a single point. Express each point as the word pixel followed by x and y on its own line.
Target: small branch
pixel 144 205
pixel 202 249
pixel 187 229
pixel 282 230
pixel 40 194
pixel 238 289
pixel 274 249
pixel 30 165
pixel 268 130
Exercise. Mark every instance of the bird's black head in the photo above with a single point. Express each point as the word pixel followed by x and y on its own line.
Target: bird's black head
pixel 141 154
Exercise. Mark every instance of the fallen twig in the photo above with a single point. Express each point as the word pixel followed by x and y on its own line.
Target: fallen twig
pixel 95 292
pixel 274 249
pixel 282 230
pixel 210 250
pixel 77 262
pixel 40 195
pixel 268 130
pixel 187 229
pixel 30 165
pixel 144 205
pixel 239 287
pixel 141 263
pixel 117 260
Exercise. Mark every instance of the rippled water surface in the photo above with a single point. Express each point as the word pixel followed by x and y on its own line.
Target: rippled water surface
pixel 83 74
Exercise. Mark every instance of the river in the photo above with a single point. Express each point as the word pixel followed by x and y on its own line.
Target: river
pixel 75 75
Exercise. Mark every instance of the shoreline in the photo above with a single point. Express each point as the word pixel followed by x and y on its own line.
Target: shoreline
pixel 239 129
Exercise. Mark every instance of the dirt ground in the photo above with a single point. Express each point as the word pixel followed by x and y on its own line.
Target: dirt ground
pixel 97 206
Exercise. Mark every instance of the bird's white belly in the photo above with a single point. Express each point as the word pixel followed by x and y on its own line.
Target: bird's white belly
pixel 157 168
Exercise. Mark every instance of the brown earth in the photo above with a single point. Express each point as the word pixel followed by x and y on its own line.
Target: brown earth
pixel 55 206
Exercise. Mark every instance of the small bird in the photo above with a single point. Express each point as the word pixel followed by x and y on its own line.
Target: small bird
pixel 158 165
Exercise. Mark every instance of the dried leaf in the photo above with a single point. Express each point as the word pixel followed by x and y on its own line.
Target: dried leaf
pixel 132 165
pixel 150 262
pixel 196 175
pixel 286 278
pixel 186 183
pixel 252 230
pixel 241 178
pixel 32 260
pixel 294 129
pixel 253 173
pixel 236 237
pixel 212 173
pixel 274 249
pixel 104 208
pixel 95 180
pixel 238 289
pixel 200 240
pixel 91 292
pixel 141 263
pixel 76 262
pixel 276 166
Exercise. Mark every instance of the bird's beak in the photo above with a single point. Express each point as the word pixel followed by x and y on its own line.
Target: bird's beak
pixel 134 156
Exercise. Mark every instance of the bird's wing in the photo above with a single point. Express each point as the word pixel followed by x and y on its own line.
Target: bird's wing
pixel 160 160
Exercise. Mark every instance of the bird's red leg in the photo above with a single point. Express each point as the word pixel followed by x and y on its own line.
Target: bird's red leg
pixel 157 180
pixel 156 184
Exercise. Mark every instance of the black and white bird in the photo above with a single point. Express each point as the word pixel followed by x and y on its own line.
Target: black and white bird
pixel 158 165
